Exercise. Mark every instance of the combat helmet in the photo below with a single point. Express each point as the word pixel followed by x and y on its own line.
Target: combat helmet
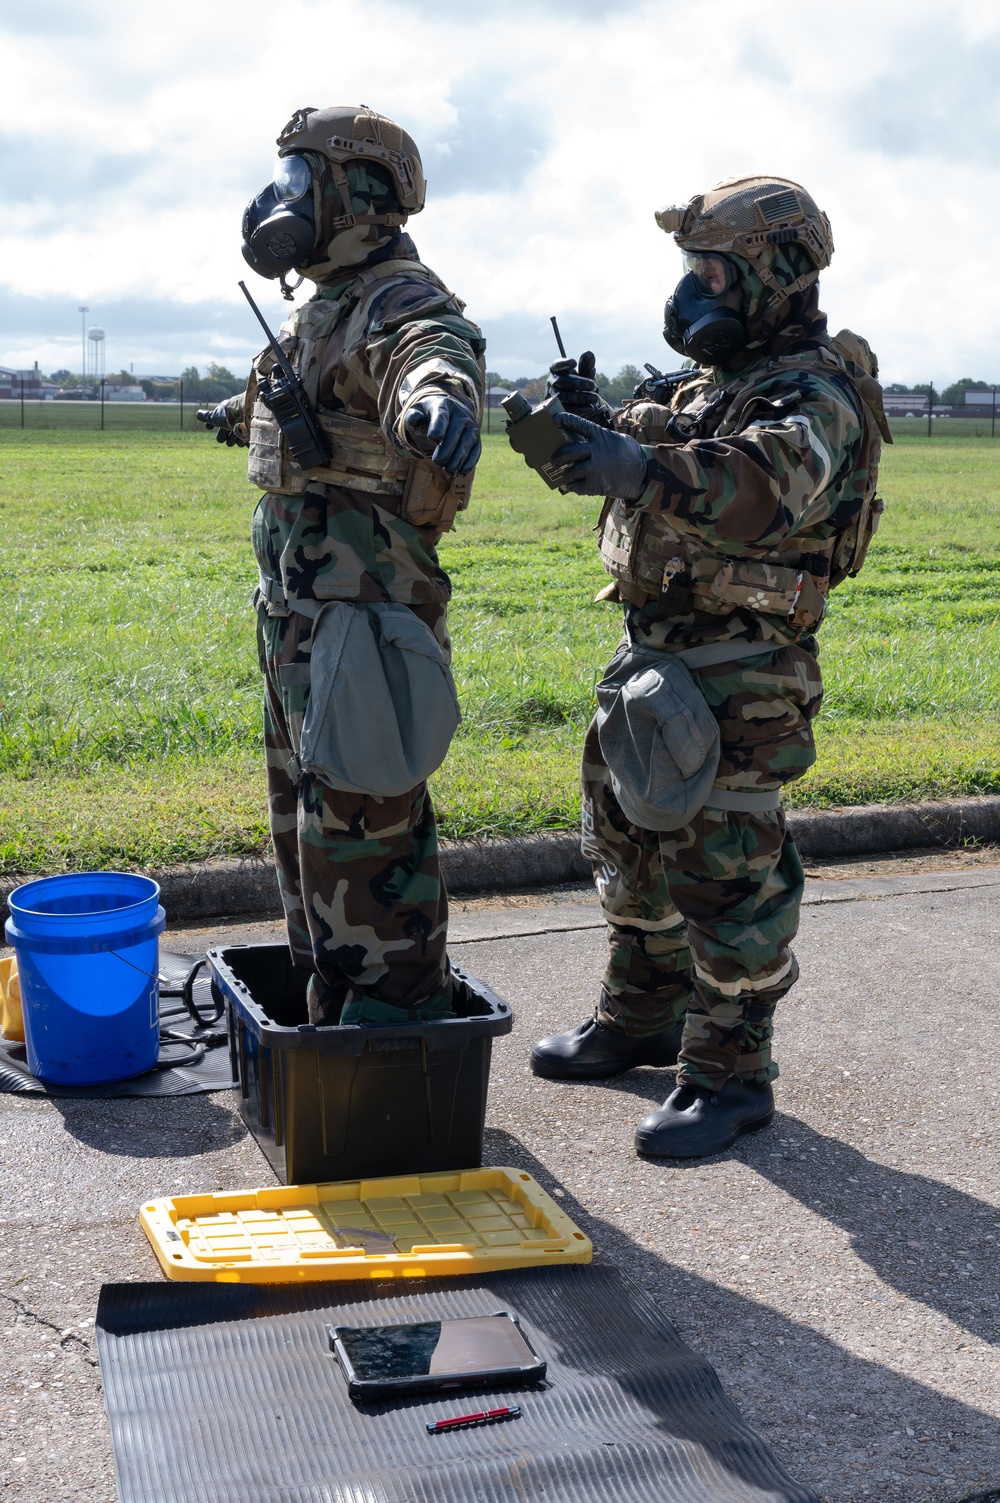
pixel 747 216
pixel 347 132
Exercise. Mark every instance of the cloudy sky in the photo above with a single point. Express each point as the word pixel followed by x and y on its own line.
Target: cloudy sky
pixel 134 133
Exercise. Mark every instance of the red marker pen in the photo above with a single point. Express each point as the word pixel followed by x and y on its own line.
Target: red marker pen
pixel 483 1417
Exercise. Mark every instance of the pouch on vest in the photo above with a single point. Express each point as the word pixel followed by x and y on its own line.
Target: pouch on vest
pixel 432 498
pixel 658 737
pixel 382 705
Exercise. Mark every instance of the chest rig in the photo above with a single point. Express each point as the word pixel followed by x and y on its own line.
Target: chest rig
pixel 362 458
pixel 649 561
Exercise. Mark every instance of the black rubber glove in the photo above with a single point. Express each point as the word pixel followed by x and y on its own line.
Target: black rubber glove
pixel 218 417
pixel 443 427
pixel 599 462
pixel 572 381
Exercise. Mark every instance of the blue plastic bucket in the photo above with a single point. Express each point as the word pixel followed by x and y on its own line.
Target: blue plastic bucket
pixel 87 958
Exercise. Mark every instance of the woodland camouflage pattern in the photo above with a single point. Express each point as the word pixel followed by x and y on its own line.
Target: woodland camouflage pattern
pixel 775 469
pixel 404 336
pixel 701 919
pixel 360 879
pixel 772 484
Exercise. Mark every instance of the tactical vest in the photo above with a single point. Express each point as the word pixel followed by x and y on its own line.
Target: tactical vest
pixel 362 458
pixel 650 561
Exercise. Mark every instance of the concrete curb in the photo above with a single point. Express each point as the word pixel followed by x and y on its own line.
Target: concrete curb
pixel 213 889
pixel 868 829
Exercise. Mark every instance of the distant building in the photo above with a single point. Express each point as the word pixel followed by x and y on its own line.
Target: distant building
pixel 15 384
pixel 905 403
pixel 900 403
pixel 979 399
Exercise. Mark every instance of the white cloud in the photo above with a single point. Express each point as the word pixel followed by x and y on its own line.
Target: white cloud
pixel 551 132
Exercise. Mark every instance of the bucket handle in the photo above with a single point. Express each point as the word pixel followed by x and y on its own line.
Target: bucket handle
pixel 186 992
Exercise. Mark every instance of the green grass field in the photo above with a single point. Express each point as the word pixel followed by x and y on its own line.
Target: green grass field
pixel 129 692
pixel 85 417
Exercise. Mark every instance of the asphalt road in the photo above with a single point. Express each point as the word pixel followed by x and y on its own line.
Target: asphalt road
pixel 838 1269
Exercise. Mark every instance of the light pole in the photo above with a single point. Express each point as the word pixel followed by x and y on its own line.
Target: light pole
pixel 83 311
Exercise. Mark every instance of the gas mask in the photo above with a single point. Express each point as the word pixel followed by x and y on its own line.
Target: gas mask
pixel 279 224
pixel 704 315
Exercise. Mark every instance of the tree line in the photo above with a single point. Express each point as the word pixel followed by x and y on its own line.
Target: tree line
pixel 614 389
pixel 219 382
pixel 215 385
pixel 952 396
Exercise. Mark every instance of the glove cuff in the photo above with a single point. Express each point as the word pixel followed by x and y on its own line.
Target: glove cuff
pixel 635 467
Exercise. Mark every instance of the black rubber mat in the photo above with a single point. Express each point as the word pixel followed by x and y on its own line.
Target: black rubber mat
pixel 229 1394
pixel 181 1071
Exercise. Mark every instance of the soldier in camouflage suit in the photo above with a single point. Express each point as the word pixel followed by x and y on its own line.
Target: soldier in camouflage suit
pixel 745 487
pixel 395 374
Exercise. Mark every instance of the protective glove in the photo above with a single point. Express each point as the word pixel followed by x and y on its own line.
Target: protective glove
pixel 598 461
pixel 218 417
pixel 573 383
pixel 443 427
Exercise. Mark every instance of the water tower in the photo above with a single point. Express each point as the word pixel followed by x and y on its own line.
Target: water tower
pixel 95 355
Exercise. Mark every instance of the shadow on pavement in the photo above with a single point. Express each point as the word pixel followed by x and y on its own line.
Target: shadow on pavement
pixel 168 1127
pixel 919 1235
pixel 767 1355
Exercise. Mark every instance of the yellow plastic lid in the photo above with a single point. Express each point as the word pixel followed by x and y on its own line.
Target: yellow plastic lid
pixel 413 1225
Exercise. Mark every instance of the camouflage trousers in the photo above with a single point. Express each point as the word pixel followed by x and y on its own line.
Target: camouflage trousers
pixel 701 919
pixel 360 880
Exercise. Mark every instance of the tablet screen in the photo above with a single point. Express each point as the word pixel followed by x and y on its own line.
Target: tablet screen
pixel 481 1344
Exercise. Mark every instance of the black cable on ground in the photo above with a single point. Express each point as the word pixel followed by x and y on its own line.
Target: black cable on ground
pixel 197 1047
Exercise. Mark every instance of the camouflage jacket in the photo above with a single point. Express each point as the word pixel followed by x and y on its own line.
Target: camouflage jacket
pixel 366 348
pixel 736 532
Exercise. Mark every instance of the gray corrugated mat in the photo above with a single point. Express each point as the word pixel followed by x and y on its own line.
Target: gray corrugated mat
pixel 229 1394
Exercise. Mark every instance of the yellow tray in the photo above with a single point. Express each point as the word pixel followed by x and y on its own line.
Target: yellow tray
pixel 415 1225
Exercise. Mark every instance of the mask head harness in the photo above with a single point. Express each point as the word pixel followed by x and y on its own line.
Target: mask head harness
pixel 747 219
pixel 287 225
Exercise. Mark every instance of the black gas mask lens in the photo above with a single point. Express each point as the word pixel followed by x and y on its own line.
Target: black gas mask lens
pixel 279 227
pixel 703 317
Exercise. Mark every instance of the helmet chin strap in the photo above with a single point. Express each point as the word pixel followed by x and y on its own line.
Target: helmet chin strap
pixel 780 292
pixel 288 291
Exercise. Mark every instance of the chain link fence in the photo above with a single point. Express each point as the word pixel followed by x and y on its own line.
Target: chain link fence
pixel 179 416
pixel 78 416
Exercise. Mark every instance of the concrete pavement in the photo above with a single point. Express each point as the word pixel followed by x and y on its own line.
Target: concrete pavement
pixel 838 1269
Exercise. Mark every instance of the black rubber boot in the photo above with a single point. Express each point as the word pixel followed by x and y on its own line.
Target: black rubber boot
pixel 593 1052
pixel 691 1123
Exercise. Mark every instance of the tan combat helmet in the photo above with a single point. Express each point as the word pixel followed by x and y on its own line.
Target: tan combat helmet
pixel 349 132
pixel 749 215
